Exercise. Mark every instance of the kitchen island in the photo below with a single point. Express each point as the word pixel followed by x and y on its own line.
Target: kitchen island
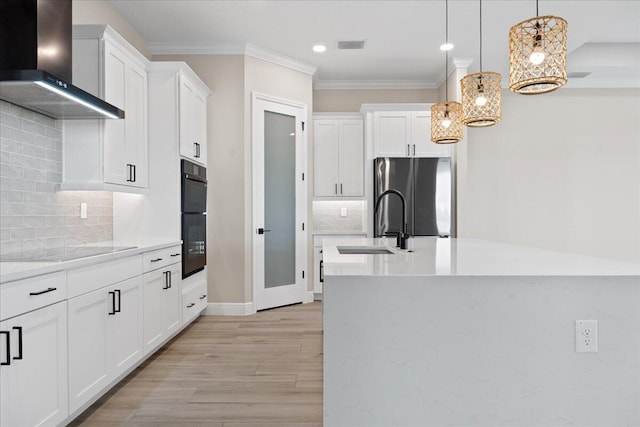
pixel 462 332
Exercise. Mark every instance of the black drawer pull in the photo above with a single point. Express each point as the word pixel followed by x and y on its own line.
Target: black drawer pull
pixel 156 260
pixel 191 305
pixel 8 348
pixel 19 356
pixel 43 292
pixel 178 254
pixel 203 296
pixel 117 291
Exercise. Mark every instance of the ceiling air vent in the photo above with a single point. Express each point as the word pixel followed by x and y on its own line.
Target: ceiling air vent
pixel 578 74
pixel 351 44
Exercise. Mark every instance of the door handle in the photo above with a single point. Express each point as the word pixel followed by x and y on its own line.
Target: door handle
pixel 263 230
pixel 7 348
pixel 117 291
pixel 414 149
pixel 408 150
pixel 321 271
pixel 340 188
pixel 19 356
pixel 336 189
pixel 130 172
pixel 197 150
pixel 134 173
pixel 170 278
pixel 166 280
pixel 113 303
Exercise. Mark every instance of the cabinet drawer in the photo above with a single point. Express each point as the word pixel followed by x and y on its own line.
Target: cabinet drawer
pixel 161 258
pixel 25 295
pixel 87 279
pixel 194 300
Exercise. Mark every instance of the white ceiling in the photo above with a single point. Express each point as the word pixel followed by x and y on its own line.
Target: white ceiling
pixel 402 36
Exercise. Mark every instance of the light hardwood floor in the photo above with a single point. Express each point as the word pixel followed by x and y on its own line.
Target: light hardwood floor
pixel 260 370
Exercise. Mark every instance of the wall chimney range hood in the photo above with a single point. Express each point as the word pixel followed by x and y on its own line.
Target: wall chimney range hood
pixel 35 62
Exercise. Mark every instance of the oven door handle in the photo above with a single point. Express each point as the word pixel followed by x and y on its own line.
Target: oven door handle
pixel 194 178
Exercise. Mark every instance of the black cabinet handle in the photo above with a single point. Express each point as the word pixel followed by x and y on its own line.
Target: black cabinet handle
pixel 336 189
pixel 203 296
pixel 19 356
pixel 130 172
pixel 178 254
pixel 321 271
pixel 46 291
pixel 197 147
pixel 156 260
pixel 191 305
pixel 134 173
pixel 414 149
pixel 340 188
pixel 170 279
pixel 113 303
pixel 117 291
pixel 8 348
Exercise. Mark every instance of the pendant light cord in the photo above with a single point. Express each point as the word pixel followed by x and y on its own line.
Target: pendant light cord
pixel 481 36
pixel 446 52
pixel 537 14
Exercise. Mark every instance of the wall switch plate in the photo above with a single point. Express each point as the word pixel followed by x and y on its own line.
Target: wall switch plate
pixel 586 336
pixel 83 211
pixel 343 211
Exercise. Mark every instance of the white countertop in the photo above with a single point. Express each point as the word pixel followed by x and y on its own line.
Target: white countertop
pixel 464 257
pixel 11 271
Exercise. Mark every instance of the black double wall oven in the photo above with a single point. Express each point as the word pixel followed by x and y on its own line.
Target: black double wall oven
pixel 194 218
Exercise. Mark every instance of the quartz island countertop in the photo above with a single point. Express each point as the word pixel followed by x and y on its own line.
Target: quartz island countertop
pixel 464 257
pixel 17 270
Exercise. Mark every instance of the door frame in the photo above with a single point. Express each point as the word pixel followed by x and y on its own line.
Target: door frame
pixel 258 101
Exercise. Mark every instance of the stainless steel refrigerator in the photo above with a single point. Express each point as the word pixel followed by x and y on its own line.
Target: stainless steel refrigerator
pixel 426 184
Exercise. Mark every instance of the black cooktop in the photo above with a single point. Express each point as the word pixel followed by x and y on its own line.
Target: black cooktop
pixel 62 254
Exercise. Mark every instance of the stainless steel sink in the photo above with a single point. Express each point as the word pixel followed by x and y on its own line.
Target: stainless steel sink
pixel 364 250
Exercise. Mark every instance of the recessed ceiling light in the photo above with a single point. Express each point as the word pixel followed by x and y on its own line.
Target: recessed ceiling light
pixel 319 48
pixel 446 46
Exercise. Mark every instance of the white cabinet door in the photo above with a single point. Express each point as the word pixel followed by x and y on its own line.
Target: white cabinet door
pixel 172 301
pixel 155 285
pixel 125 327
pixel 193 127
pixel 33 385
pixel 351 158
pixel 136 126
pixel 162 305
pixel 115 138
pixel 88 345
pixel 325 158
pixel 391 134
pixel 421 144
pixel 200 114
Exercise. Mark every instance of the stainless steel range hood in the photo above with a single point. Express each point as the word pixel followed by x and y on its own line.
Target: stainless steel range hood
pixel 35 64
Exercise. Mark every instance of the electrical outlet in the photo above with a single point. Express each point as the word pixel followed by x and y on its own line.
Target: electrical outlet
pixel 83 211
pixel 586 336
pixel 343 211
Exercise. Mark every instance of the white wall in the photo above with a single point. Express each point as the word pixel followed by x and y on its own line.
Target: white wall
pixel 560 171
pixel 350 100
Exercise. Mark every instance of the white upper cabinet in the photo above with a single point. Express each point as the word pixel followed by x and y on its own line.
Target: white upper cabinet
pixel 405 134
pixel 193 121
pixel 338 157
pixel 108 154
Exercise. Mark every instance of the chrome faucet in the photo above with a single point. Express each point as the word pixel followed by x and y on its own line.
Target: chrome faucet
pixel 403 236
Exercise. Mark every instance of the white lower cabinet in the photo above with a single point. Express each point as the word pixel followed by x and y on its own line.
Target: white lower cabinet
pixel 33 370
pixel 105 338
pixel 162 309
pixel 194 300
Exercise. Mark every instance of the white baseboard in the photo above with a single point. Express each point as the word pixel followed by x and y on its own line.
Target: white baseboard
pixel 307 297
pixel 317 297
pixel 230 309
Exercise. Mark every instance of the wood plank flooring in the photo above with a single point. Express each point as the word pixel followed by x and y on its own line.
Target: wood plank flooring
pixel 261 370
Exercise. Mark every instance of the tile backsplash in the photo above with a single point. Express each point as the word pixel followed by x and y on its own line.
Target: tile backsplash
pixel 327 216
pixel 33 213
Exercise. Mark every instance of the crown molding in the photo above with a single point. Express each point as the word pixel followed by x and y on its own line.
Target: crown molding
pixel 373 84
pixel 232 48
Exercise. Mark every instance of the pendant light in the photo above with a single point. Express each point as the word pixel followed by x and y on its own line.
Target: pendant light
pixel 537 55
pixel 481 95
pixel 446 117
